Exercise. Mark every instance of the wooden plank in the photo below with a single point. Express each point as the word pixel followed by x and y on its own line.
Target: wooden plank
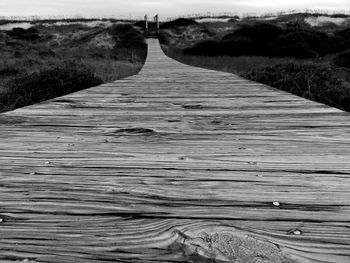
pixel 176 164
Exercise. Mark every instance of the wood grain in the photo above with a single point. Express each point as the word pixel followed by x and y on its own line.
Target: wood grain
pixel 175 164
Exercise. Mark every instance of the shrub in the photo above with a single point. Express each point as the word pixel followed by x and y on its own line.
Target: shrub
pixel 204 48
pixel 265 39
pixel 312 42
pixel 46 53
pixel 140 23
pixel 344 33
pixel 46 84
pixel 129 42
pixel 240 46
pixel 18 33
pixel 163 37
pixel 341 40
pixel 298 50
pixel 127 36
pixel 342 59
pixel 178 22
pixel 311 81
pixel 253 40
pixel 8 71
pixel 233 47
pixel 258 32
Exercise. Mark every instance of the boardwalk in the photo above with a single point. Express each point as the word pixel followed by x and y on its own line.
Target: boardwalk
pixel 176 164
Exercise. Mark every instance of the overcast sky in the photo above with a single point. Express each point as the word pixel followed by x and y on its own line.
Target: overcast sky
pixel 165 8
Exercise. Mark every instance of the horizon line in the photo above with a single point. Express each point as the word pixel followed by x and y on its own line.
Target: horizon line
pixel 190 15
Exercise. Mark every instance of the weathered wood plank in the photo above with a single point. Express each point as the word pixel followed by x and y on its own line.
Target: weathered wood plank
pixel 176 164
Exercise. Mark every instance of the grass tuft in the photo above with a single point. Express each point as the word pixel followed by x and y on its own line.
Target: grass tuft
pixel 308 80
pixel 342 59
pixel 46 84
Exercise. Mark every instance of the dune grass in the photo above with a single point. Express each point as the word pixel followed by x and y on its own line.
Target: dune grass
pixel 265 39
pixel 314 80
pixel 81 56
pixel 237 65
pixel 308 62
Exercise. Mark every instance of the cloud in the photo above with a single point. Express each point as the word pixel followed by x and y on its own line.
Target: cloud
pixel 164 7
pixel 299 4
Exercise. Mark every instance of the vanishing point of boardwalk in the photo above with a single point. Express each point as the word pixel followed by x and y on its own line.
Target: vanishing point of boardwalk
pixel 176 164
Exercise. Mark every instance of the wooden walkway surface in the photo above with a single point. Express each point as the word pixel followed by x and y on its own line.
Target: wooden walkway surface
pixel 175 164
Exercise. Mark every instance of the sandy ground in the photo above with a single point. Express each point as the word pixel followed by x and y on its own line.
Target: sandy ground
pixel 88 24
pixel 212 20
pixel 10 26
pixel 321 20
pixel 26 25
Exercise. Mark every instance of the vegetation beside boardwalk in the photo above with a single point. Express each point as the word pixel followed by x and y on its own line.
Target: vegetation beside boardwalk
pixel 46 61
pixel 47 84
pixel 263 39
pixel 308 80
pixel 312 62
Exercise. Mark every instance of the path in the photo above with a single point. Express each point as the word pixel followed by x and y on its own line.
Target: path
pixel 138 169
